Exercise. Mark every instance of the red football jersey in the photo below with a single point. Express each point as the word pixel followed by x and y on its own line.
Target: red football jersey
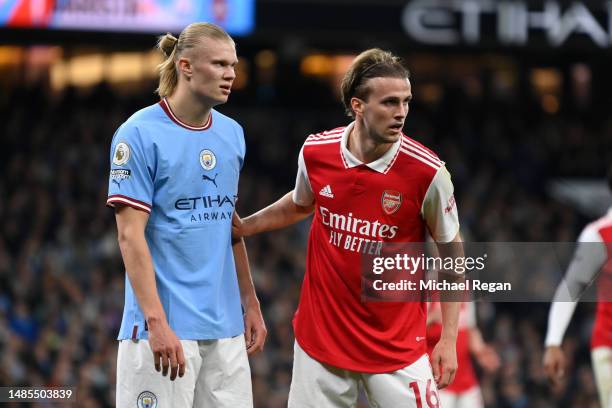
pixel 602 330
pixel 357 207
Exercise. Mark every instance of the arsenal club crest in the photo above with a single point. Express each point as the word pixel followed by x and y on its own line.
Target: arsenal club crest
pixel 391 201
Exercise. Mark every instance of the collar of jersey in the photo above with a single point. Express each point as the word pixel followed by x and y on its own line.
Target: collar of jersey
pixel 381 165
pixel 166 107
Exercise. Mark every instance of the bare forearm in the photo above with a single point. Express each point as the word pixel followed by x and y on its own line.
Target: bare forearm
pixel 476 342
pixel 139 267
pixel 245 281
pixel 451 300
pixel 450 319
pixel 280 214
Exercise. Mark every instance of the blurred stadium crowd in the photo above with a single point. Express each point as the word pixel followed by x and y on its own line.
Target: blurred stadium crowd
pixel 61 275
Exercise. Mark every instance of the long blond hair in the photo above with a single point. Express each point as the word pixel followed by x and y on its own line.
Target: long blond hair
pixel 173 47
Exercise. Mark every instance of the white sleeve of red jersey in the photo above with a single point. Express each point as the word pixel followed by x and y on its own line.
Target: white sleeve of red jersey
pixel 590 256
pixel 470 315
pixel 302 193
pixel 439 209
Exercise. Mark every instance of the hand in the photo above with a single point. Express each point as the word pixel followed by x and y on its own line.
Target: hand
pixel 554 364
pixel 255 331
pixel 488 359
pixel 238 227
pixel 444 362
pixel 167 349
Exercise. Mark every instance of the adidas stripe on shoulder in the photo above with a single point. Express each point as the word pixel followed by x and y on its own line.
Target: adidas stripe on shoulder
pixel 419 152
pixel 329 136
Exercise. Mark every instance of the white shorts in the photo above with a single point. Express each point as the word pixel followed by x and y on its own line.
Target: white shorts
pixel 217 374
pixel 602 366
pixel 471 398
pixel 317 385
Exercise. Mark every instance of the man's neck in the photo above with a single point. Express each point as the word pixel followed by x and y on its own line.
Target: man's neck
pixel 188 108
pixel 363 146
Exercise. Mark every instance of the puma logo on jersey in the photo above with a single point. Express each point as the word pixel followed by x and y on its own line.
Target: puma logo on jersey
pixel 213 180
pixel 420 338
pixel 327 192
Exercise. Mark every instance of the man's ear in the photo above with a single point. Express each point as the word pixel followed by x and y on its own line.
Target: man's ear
pixel 357 105
pixel 184 66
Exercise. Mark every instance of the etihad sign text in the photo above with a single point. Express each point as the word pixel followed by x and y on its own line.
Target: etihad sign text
pixel 450 22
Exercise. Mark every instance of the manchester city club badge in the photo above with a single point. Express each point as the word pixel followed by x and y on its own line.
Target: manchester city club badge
pixel 147 399
pixel 391 201
pixel 208 159
pixel 121 154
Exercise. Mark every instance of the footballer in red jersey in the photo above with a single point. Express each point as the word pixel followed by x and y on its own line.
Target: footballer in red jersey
pixel 464 392
pixel 593 256
pixel 367 184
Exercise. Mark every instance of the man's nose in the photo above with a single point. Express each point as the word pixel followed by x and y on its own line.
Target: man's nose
pixel 230 73
pixel 401 112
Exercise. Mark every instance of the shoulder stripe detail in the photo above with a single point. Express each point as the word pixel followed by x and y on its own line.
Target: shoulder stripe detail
pixel 319 142
pixel 407 142
pixel 121 199
pixel 330 136
pixel 326 135
pixel 166 107
pixel 425 156
pixel 421 158
pixel 329 132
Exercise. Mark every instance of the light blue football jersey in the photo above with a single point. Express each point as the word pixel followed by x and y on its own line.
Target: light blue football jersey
pixel 186 178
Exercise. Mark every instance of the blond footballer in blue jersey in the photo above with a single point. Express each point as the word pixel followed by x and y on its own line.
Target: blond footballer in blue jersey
pixel 174 184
